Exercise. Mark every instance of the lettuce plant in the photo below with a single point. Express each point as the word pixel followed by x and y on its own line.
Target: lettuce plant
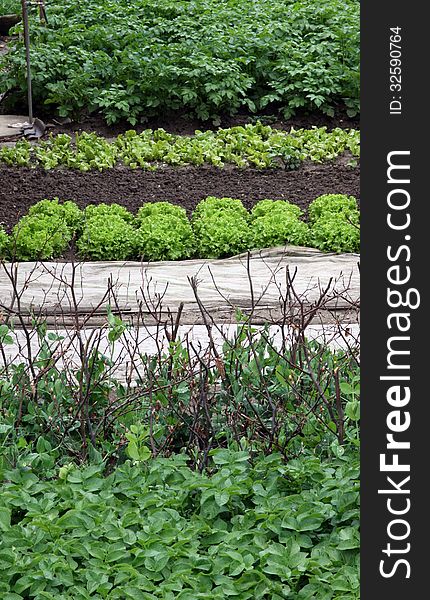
pixel 107 211
pixel 336 232
pixel 222 233
pixel 164 237
pixel 156 209
pixel 40 237
pixel 277 229
pixel 331 204
pixel 105 238
pixel 265 207
pixel 212 205
pixel 66 211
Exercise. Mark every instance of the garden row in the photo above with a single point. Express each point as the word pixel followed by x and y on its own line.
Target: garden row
pixel 163 531
pixel 131 60
pixel 250 145
pixel 98 499
pixel 219 227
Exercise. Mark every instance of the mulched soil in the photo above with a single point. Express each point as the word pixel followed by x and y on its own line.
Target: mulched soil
pixel 22 187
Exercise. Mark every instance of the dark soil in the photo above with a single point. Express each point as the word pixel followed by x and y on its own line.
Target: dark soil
pixel 185 124
pixel 22 187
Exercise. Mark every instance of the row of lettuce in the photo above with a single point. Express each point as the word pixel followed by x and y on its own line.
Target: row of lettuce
pixel 256 145
pixel 219 227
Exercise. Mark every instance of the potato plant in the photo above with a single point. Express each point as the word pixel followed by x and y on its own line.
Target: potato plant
pixel 131 60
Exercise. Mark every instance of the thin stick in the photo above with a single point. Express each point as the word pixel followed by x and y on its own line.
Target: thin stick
pixel 27 57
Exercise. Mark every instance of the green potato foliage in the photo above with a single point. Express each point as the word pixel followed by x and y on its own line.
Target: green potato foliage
pixel 133 60
pixel 157 530
pixel 331 204
pixel 106 236
pixel 336 232
pixel 164 237
pixel 222 232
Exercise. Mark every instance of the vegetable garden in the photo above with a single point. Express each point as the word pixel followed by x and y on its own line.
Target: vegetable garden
pixel 164 435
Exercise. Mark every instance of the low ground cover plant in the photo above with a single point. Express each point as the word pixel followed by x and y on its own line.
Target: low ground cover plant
pixel 250 529
pixel 219 227
pixel 243 146
pixel 133 60
pixel 229 475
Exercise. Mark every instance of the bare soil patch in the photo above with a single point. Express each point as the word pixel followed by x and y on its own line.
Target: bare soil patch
pixel 22 187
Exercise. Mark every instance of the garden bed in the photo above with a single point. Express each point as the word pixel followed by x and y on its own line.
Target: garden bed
pixel 186 186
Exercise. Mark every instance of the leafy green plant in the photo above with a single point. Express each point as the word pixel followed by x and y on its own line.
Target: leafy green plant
pixel 4 242
pixel 336 232
pixel 155 209
pixel 243 146
pixel 318 145
pixel 88 151
pixel 221 232
pixel 277 222
pixel 65 211
pixel 107 211
pixel 18 155
pixel 134 60
pixel 265 207
pixel 162 231
pixel 10 7
pixel 46 231
pixel 278 228
pixel 138 439
pixel 106 238
pixel 251 529
pixel 212 205
pixel 332 204
pixel 40 237
pixel 164 237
